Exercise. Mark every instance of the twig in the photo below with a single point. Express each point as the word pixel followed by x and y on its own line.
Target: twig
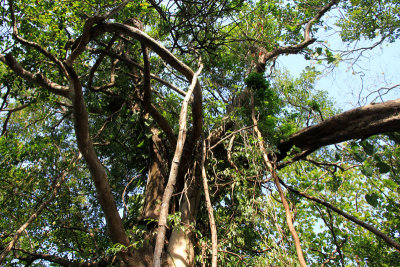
pixel 42 206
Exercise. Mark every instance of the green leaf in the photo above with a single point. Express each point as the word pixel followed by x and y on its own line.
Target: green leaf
pixel 383 167
pixel 367 171
pixel 390 183
pixel 141 144
pixel 372 199
pixel 368 148
pixel 359 156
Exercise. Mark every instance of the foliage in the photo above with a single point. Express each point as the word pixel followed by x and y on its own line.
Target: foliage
pixel 39 136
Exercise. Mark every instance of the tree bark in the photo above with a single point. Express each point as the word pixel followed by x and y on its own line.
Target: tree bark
pixel 114 223
pixel 162 222
pixel 180 251
pixel 353 124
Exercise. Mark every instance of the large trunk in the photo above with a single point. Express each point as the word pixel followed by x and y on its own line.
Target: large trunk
pixel 156 179
pixel 152 200
pixel 180 252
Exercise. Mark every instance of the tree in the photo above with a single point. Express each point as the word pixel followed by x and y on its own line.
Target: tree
pixel 149 133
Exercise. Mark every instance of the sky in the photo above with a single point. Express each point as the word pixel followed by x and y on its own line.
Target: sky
pixel 347 84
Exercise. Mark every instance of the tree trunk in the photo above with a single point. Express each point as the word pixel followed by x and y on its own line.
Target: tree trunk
pixel 156 178
pixel 181 244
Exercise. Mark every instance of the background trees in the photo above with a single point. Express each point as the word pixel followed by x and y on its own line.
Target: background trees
pixel 117 116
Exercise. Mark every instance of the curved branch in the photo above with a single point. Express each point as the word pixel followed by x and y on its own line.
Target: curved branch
pixel 96 66
pixel 164 53
pixel 37 78
pixel 357 123
pixel 132 63
pixel 294 49
pixel 114 223
pixel 169 189
pixel 161 121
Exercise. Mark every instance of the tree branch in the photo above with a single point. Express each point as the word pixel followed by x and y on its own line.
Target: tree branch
pixel 114 223
pixel 161 121
pixel 214 238
pixel 62 261
pixel 271 168
pixel 353 124
pixel 33 44
pixel 169 189
pixel 39 210
pixel 37 78
pixel 364 225
pixel 294 49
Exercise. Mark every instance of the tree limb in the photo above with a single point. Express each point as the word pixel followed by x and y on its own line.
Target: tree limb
pixel 357 123
pixel 37 78
pixel 364 225
pixel 214 238
pixel 169 189
pixel 32 44
pixel 271 168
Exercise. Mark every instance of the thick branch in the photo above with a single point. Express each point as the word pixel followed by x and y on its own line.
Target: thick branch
pixel 169 189
pixel 37 78
pixel 164 53
pixel 150 108
pixel 353 124
pixel 114 223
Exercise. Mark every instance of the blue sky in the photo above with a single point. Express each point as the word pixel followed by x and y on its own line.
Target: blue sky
pixel 349 84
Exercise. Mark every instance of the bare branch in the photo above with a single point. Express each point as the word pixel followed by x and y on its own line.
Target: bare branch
pixel 353 124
